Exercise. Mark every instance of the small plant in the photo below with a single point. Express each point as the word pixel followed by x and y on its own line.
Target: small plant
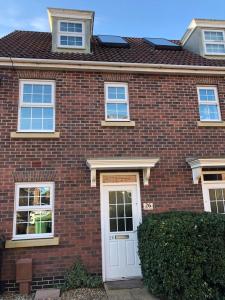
pixel 78 277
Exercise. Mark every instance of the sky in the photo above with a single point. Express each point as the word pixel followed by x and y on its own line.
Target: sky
pixel 136 18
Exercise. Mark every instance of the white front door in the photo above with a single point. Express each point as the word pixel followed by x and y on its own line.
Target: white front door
pixel 121 213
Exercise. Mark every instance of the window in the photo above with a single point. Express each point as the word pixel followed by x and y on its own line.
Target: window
pixel 209 109
pixel 34 213
pixel 214 42
pixel 116 98
pixel 36 106
pixel 71 34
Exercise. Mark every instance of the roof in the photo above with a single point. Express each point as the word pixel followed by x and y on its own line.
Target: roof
pixel 37 45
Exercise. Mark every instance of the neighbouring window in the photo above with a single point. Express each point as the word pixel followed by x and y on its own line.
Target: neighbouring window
pixel 116 102
pixel 37 106
pixel 71 34
pixel 34 211
pixel 209 109
pixel 214 42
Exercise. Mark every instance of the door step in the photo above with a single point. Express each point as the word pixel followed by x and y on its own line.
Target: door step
pixel 124 284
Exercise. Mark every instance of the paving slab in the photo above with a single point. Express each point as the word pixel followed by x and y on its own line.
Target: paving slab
pixel 134 293
pixel 47 294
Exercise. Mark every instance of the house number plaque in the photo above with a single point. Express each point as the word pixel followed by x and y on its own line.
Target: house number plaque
pixel 148 206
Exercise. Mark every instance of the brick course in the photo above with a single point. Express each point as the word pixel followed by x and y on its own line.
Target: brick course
pixel 165 109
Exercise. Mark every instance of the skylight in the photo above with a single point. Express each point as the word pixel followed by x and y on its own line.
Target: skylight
pixel 160 43
pixel 112 41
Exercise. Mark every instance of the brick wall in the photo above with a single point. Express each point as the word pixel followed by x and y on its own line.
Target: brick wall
pixel 165 109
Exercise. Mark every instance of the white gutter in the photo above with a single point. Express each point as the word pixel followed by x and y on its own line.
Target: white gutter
pixel 108 66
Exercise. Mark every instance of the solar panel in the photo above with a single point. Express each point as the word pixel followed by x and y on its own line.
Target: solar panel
pixel 160 43
pixel 112 41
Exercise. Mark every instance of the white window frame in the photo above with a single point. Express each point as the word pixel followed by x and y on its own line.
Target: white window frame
pixel 109 101
pixel 75 34
pixel 212 42
pixel 41 105
pixel 50 207
pixel 217 103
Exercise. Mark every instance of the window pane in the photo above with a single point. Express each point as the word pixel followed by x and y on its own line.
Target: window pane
pixel 27 98
pixel 37 124
pixel 112 197
pixel 37 89
pixel 23 201
pixel 48 113
pixel 21 228
pixel 42 221
pixel 22 217
pixel 207 95
pixel 120 197
pixel 27 88
pixel 113 225
pixel 47 124
pixel 220 205
pixel 215 48
pixel 209 112
pixel 112 211
pixel 213 207
pixel 120 211
pixel 71 40
pixel 63 26
pixel 122 111
pixel 111 111
pixel 25 124
pixel 116 93
pixel 213 112
pixel 128 197
pixel 24 192
pixel 25 112
pixel 121 224
pixel 213 36
pixel 212 195
pixel 129 224
pixel 37 113
pixel 70 27
pixel 128 210
pixel 111 92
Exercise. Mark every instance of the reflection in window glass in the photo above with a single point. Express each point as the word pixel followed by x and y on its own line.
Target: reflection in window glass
pixel 34 210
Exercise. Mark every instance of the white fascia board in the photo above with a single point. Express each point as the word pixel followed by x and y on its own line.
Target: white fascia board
pixel 121 164
pixel 53 64
pixel 197 165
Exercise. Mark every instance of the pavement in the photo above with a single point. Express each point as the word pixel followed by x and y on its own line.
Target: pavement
pixel 127 290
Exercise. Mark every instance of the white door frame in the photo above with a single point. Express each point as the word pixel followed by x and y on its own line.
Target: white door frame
pixel 137 183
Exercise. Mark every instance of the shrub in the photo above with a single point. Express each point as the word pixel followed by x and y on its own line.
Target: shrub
pixel 183 255
pixel 78 277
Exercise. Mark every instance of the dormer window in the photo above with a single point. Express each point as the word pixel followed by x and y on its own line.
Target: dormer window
pixel 214 42
pixel 71 34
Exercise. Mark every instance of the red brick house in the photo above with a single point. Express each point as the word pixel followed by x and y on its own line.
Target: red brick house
pixel 96 132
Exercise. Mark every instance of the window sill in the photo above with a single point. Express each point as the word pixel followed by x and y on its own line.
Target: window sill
pixel 34 135
pixel 118 123
pixel 32 243
pixel 211 124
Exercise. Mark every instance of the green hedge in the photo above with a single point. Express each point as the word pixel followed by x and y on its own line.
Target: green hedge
pixel 183 255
